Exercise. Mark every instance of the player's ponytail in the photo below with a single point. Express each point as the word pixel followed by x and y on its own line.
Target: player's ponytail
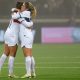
pixel 33 10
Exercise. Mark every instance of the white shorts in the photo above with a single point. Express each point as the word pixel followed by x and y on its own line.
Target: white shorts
pixel 26 39
pixel 11 38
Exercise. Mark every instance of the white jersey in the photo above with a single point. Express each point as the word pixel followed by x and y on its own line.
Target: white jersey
pixel 13 26
pixel 25 14
pixel 24 18
pixel 11 34
pixel 26 35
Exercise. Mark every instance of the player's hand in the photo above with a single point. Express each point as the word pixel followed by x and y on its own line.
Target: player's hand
pixel 14 10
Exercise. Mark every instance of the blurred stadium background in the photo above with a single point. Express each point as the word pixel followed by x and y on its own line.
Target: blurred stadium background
pixel 57 21
pixel 50 14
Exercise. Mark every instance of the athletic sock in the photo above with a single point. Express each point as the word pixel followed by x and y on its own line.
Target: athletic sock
pixel 2 59
pixel 32 65
pixel 11 64
pixel 28 65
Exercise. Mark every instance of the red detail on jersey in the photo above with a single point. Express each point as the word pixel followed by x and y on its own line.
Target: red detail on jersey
pixel 15 20
pixel 15 11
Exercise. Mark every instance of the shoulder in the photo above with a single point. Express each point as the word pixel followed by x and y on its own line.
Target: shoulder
pixel 26 13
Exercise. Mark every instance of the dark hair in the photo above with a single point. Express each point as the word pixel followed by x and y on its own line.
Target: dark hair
pixel 18 5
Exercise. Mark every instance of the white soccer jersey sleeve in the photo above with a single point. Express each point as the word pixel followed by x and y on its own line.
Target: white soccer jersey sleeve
pixel 21 18
pixel 16 15
pixel 26 14
pixel 27 24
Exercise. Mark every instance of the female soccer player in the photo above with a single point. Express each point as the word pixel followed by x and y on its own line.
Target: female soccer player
pixel 11 41
pixel 26 37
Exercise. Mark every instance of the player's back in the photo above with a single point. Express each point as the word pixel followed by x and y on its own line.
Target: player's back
pixel 13 26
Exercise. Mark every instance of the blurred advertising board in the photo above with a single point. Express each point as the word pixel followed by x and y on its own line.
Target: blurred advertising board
pixel 2 35
pixel 60 34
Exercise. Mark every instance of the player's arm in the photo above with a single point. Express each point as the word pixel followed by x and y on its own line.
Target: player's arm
pixel 27 24
pixel 15 15
pixel 25 20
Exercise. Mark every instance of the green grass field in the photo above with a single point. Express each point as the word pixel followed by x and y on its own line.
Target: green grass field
pixel 53 62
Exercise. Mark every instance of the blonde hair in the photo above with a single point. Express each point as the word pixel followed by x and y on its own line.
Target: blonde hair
pixel 33 10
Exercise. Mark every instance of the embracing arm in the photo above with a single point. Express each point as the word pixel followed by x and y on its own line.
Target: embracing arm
pixel 27 24
pixel 16 15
